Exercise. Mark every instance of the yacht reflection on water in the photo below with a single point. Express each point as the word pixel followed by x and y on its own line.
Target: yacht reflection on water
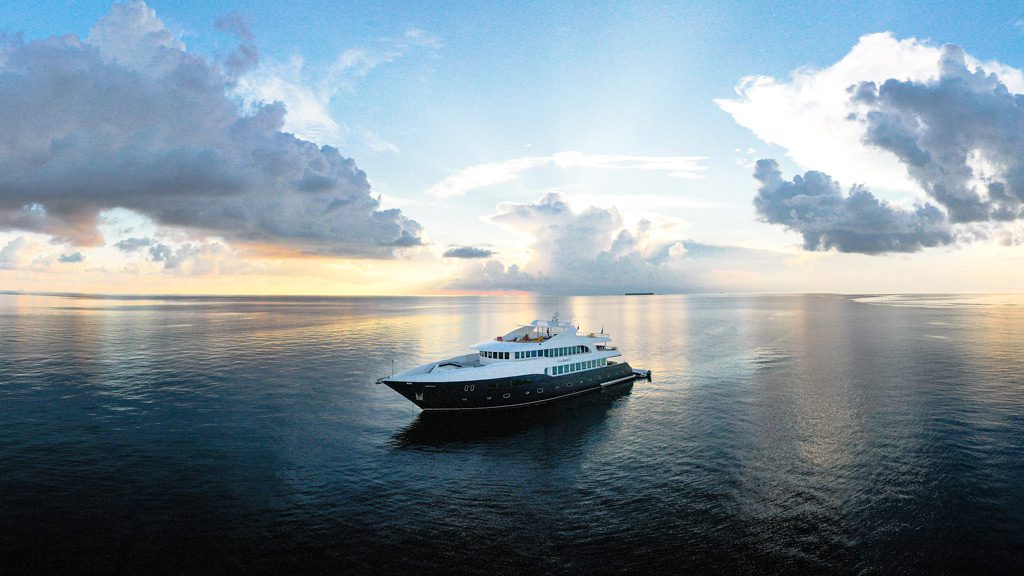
pixel 572 416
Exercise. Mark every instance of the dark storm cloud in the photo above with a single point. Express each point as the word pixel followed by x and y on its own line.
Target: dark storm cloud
pixel 468 252
pixel 814 206
pixel 128 118
pixel 959 137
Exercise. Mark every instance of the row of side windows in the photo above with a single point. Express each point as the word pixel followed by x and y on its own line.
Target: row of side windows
pixel 565 351
pixel 575 367
pixel 548 353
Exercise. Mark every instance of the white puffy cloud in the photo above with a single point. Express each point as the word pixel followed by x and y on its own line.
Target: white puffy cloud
pixel 591 251
pixel 12 255
pixel 492 173
pixel 897 114
pixel 129 118
pixel 811 114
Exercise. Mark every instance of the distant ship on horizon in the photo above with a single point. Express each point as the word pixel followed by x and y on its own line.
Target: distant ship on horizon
pixel 536 363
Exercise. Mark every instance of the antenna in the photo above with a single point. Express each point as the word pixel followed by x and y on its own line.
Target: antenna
pixel 392 366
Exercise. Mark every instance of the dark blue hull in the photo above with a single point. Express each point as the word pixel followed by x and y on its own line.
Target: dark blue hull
pixel 511 392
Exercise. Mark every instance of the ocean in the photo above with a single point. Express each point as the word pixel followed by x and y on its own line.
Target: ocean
pixel 779 434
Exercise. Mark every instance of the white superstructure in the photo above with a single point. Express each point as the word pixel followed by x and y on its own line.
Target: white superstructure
pixel 548 347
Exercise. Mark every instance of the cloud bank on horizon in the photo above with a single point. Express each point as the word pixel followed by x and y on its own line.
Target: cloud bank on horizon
pixel 129 118
pixel 898 114
pixel 592 251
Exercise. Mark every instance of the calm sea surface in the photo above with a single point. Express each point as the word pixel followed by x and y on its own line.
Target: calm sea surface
pixel 811 434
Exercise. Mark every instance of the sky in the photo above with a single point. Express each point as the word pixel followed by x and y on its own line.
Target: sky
pixel 570 148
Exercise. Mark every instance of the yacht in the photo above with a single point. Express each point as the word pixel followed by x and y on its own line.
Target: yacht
pixel 537 362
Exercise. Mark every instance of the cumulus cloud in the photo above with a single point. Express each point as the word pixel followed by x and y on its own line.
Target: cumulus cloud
pixel 592 251
pixel 946 124
pixel 815 206
pixel 132 244
pixel 73 258
pixel 129 118
pixel 11 253
pixel 468 252
pixel 490 174
pixel 958 135
pixel 174 258
pixel 812 115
